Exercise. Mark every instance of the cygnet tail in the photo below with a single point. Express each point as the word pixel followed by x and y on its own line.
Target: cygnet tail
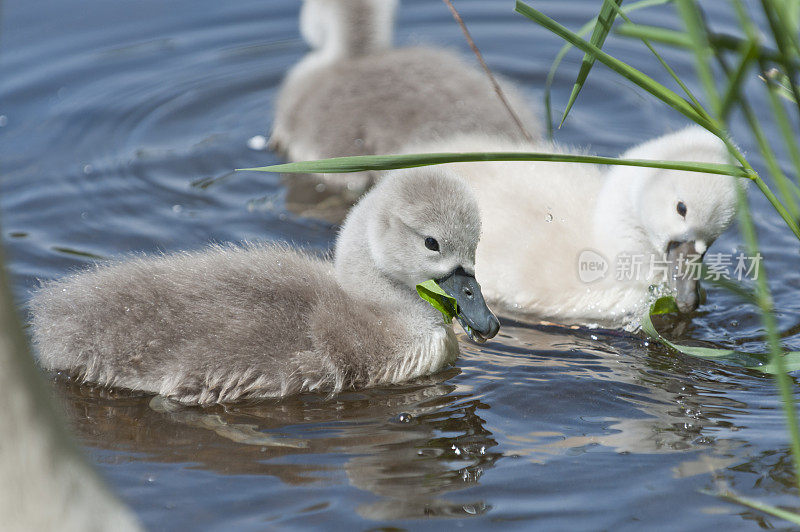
pixel 341 29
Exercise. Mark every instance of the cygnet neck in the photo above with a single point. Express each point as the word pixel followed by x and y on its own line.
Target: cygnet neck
pixel 359 275
pixel 617 228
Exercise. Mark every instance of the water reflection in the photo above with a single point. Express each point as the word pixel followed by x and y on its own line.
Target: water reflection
pixel 414 447
pixel 408 445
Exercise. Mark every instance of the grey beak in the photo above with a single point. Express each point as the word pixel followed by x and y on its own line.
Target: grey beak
pixel 474 316
pixel 683 277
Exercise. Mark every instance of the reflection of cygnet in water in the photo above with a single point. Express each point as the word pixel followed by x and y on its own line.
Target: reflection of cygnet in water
pixel 353 94
pixel 45 483
pixel 232 323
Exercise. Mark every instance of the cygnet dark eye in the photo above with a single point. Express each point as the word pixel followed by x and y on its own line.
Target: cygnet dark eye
pixel 431 244
pixel 681 209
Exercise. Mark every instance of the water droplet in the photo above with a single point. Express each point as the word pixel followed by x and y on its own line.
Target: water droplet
pixel 405 417
pixel 87 169
pixel 177 208
pixel 3 120
pixel 320 187
pixel 548 218
pixel 257 143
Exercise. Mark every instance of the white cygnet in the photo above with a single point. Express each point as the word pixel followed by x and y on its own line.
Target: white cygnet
pixel 231 323
pixel 542 221
pixel 583 243
pixel 354 94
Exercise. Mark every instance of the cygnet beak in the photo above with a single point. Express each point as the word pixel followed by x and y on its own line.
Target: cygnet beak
pixel 474 316
pixel 683 277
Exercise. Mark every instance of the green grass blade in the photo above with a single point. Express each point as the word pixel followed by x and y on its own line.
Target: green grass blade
pixel 548 84
pixel 787 42
pixel 779 18
pixel 774 511
pixel 362 163
pixel 787 133
pixel 793 15
pixel 655 34
pixel 670 71
pixel 767 311
pixel 698 34
pixel 642 80
pixel 736 79
pixel 680 39
pixel 601 29
pixel 762 362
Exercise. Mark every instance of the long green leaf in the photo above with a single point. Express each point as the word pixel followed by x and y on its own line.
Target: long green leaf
pixel 548 84
pixel 680 39
pixel 362 163
pixel 654 33
pixel 787 43
pixel 670 71
pixel 698 34
pixel 642 80
pixel 733 89
pixel 769 509
pixel 781 119
pixel 757 361
pixel 601 28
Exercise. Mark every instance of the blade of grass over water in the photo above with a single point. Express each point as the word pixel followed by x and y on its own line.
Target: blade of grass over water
pixel 601 28
pixel 628 8
pixel 781 119
pixel 784 20
pixel 642 80
pixel 786 41
pixel 666 95
pixel 747 56
pixel 696 30
pixel 767 311
pixel 362 163
pixel 769 509
pixel 680 39
pixel 655 34
pixel 669 70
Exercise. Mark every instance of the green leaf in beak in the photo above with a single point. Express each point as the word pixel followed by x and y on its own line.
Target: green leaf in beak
pixel 438 299
pixel 757 361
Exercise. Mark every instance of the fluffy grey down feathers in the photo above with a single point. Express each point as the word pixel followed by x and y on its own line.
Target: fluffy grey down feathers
pixel 231 323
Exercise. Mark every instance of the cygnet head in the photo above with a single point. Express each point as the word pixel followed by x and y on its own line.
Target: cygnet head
pixel 673 213
pixel 416 225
